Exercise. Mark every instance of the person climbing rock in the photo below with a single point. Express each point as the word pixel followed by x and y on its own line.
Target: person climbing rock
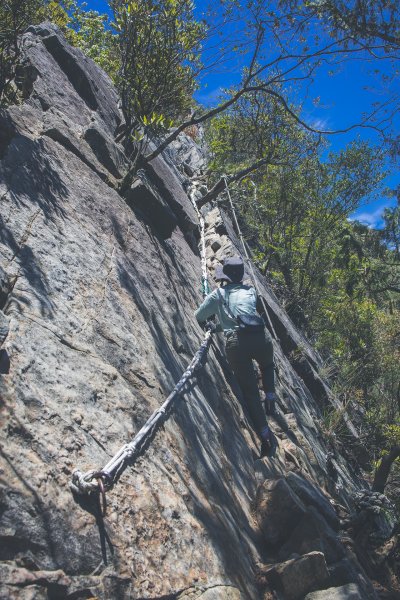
pixel 236 306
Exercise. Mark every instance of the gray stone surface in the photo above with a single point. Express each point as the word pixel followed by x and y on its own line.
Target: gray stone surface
pixel 189 154
pixel 172 190
pixel 144 197
pixel 100 309
pixel 106 151
pixel 345 592
pixel 67 80
pixel 218 592
pixel 348 570
pixel 4 287
pixel 278 510
pixel 312 496
pixel 312 532
pixel 295 578
pixel 4 327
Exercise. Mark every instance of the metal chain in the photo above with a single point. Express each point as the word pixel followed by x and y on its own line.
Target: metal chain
pixel 247 257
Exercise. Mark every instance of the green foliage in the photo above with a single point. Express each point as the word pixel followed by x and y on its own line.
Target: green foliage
pixel 15 16
pixel 367 21
pixel 392 229
pixel 159 48
pixel 338 279
pixel 392 434
pixel 333 423
pixel 93 34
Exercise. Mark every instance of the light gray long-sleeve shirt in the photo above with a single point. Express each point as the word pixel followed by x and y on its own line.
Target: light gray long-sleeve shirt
pixel 241 299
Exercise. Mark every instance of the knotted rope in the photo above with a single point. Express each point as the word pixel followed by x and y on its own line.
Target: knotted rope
pixel 205 288
pixel 84 483
pixel 104 479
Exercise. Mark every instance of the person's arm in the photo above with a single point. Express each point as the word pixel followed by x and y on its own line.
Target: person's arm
pixel 208 308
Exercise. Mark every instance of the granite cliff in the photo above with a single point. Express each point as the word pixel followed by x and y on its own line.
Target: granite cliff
pixel 97 295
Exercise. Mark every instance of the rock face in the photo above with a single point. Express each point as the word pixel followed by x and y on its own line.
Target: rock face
pixel 97 295
pixel 278 510
pixel 298 576
pixel 345 592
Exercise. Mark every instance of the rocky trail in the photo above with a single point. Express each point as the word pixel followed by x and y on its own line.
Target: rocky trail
pixel 97 297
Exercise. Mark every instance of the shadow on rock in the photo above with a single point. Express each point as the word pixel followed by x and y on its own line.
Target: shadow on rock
pixel 31 170
pixel 4 362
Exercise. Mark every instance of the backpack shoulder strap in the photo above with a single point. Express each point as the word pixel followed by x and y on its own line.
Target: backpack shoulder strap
pixel 226 305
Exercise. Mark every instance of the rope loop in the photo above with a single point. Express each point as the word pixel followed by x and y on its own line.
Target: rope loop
pixel 103 499
pixel 82 483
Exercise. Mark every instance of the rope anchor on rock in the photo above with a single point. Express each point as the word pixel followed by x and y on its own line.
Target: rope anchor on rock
pixel 103 480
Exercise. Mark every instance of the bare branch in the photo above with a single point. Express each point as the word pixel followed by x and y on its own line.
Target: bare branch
pixel 220 185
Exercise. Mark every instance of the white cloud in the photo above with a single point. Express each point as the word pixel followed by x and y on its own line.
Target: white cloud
pixel 320 124
pixel 372 219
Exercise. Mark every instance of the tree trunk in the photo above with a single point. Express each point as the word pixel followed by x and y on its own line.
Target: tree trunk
pixel 382 472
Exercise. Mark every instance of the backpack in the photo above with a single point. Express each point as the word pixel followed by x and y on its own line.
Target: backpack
pixel 246 323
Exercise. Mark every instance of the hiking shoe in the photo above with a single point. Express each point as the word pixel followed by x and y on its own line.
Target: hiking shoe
pixel 269 403
pixel 266 448
pixel 266 441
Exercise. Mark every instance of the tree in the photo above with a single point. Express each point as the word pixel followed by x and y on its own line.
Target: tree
pixel 391 230
pixel 287 45
pixel 15 16
pixel 365 21
pixel 159 48
pixel 93 33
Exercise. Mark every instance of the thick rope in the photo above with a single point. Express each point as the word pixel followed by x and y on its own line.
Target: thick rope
pixel 83 483
pixel 205 283
pixel 248 258
pixel 99 481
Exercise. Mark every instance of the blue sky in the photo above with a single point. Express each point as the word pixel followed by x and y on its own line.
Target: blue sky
pixel 343 97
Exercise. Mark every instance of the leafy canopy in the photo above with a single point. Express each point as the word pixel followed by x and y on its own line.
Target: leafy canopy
pixel 159 43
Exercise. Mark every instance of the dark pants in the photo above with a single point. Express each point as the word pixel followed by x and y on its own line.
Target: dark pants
pixel 241 349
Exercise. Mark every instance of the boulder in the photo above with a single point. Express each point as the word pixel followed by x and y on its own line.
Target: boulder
pixel 295 578
pixel 313 533
pixel 313 496
pixel 172 191
pixel 344 592
pixel 348 571
pixel 278 510
pixel 67 80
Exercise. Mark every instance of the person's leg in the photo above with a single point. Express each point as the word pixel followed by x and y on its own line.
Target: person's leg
pixel 242 366
pixel 263 353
